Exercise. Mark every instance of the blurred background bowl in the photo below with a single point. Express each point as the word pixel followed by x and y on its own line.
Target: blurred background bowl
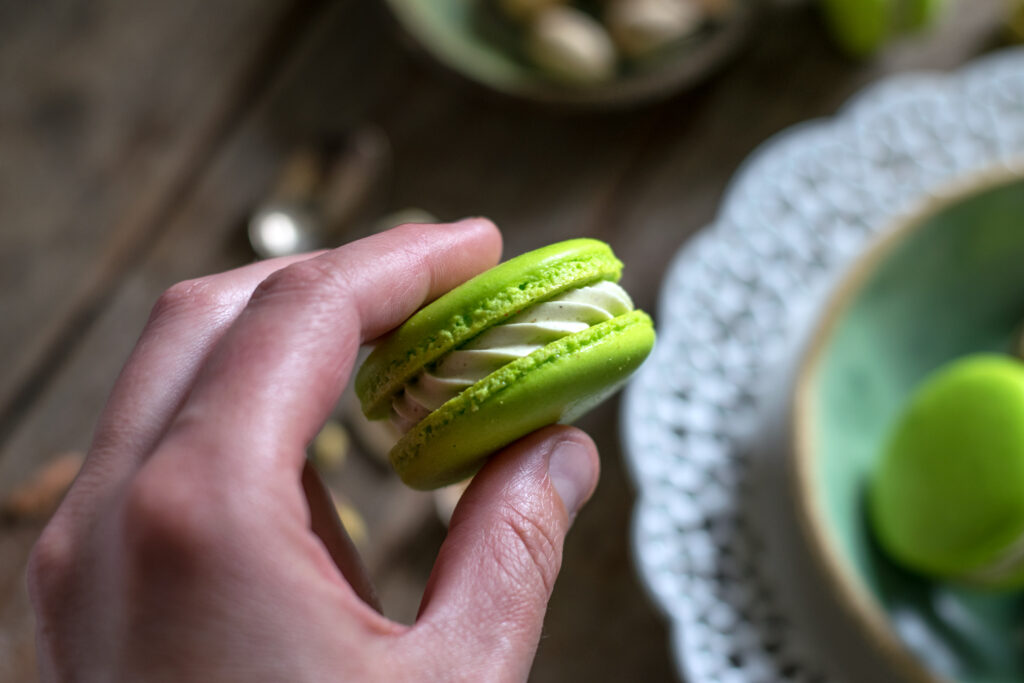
pixel 463 36
pixel 947 282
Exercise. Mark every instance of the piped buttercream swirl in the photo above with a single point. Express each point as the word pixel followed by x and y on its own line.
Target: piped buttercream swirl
pixel 570 312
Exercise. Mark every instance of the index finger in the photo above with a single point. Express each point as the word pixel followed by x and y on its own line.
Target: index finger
pixel 277 372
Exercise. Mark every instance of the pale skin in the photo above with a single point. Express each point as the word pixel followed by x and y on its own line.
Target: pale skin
pixel 196 545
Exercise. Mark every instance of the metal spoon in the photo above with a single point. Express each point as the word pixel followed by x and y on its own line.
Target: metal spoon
pixel 321 195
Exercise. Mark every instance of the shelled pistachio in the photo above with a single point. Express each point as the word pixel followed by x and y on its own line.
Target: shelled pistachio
pixel 330 447
pixel 353 521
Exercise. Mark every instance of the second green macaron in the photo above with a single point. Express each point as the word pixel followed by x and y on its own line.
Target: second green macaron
pixel 862 26
pixel 947 497
pixel 537 340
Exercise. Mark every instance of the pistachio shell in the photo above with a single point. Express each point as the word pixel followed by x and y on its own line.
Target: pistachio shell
pixel 570 46
pixel 642 27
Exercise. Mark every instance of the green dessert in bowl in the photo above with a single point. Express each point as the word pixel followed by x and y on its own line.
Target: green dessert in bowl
pixel 908 458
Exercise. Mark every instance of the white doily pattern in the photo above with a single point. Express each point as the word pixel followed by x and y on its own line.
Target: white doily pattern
pixel 805 203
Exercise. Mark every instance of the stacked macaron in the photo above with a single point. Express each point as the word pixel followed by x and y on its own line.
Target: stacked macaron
pixel 539 339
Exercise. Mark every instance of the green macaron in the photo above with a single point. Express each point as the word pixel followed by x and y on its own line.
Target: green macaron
pixel 863 26
pixel 537 340
pixel 947 497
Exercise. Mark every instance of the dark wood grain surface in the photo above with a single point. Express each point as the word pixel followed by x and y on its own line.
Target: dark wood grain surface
pixel 137 137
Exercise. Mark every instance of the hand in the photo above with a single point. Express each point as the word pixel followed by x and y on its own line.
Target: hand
pixel 195 546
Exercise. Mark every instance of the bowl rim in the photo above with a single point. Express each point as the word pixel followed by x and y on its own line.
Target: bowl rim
pixel 854 600
pixel 651 86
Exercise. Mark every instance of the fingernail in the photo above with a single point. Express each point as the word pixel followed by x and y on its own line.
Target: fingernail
pixel 473 220
pixel 571 471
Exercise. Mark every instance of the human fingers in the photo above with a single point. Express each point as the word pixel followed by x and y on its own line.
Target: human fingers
pixel 184 324
pixel 277 372
pixel 489 590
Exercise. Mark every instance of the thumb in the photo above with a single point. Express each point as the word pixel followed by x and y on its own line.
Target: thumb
pixel 490 586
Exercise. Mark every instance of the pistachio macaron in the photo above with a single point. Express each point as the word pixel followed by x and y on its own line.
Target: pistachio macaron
pixel 537 340
pixel 863 26
pixel 947 497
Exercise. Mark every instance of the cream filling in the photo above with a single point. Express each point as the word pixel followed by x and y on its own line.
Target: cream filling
pixel 570 312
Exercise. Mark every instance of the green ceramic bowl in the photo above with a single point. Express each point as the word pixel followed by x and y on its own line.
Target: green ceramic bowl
pixel 945 283
pixel 467 40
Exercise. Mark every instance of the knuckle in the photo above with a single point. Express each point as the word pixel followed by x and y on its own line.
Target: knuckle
pixel 310 279
pixel 526 549
pixel 187 298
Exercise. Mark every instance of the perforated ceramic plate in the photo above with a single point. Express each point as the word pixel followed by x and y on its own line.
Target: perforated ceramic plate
pixel 714 531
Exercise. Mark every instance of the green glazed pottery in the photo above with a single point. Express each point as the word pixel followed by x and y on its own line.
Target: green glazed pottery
pixel 941 285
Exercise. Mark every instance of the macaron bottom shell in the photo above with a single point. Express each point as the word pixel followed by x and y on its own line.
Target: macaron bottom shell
pixel 557 383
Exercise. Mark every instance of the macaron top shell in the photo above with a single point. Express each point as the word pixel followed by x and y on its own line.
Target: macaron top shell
pixel 948 496
pixel 459 315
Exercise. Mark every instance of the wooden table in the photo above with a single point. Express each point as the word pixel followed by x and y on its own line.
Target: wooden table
pixel 137 137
